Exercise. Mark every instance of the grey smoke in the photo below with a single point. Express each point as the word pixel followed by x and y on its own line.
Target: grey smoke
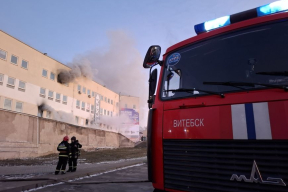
pixel 119 67
pixel 82 69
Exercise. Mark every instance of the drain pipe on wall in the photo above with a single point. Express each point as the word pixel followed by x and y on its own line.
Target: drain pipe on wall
pixel 37 131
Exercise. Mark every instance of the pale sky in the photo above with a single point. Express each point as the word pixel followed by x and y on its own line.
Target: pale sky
pixel 66 28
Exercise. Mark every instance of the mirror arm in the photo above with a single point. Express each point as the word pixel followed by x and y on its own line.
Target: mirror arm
pixel 150 101
pixel 160 62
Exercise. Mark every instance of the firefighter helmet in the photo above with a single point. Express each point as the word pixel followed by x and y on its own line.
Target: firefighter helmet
pixel 66 138
pixel 73 138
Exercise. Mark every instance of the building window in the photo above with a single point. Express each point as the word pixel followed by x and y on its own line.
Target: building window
pixel 88 107
pixel 88 92
pixel 77 120
pixel 87 121
pixel 11 82
pixel 48 114
pixel 101 111
pixel 104 111
pixel 111 113
pixel 92 108
pixel 134 106
pixel 22 86
pixel 1 79
pixel 44 73
pixel 105 99
pixel 14 59
pixel 125 105
pixel 101 97
pixel 83 106
pixel 50 95
pixel 108 100
pixel 24 64
pixel 58 97
pixel 52 76
pixel 7 104
pixel 42 92
pixel 78 104
pixel 111 101
pixel 107 112
pixel 19 106
pixel 64 99
pixel 93 94
pixel 117 104
pixel 84 90
pixel 79 88
pixel 3 54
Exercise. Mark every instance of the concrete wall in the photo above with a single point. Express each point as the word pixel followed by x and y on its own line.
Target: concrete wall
pixel 24 136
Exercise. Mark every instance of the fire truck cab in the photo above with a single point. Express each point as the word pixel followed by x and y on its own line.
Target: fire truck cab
pixel 219 118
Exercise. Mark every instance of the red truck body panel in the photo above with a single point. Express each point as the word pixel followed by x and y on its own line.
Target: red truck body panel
pixel 183 118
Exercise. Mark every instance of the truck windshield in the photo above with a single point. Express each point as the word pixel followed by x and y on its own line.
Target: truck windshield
pixel 250 57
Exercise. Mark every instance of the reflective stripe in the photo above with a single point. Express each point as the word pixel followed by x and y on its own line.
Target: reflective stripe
pixel 239 124
pixel 63 155
pixel 262 121
pixel 62 147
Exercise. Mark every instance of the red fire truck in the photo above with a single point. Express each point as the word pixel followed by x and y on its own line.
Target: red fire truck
pixel 219 119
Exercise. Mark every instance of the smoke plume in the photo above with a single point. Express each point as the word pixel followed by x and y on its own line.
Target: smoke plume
pixel 57 115
pixel 120 69
pixel 82 69
pixel 115 122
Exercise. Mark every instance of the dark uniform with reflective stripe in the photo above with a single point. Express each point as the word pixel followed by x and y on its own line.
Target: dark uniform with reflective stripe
pixel 75 154
pixel 64 149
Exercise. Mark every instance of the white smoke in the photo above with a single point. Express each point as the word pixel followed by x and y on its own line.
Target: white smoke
pixel 115 122
pixel 57 115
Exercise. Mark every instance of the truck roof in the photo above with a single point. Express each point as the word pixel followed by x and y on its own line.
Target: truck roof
pixel 230 27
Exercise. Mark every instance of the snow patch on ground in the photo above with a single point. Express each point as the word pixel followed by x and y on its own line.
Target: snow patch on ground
pixel 22 176
pixel 121 160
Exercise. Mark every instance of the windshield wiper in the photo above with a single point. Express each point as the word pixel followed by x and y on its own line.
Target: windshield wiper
pixel 247 84
pixel 193 90
pixel 232 84
pixel 275 73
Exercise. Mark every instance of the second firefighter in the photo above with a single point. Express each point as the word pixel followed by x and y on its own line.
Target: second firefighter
pixel 75 153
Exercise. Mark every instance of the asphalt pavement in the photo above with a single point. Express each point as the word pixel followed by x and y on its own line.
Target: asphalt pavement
pixel 130 173
pixel 44 175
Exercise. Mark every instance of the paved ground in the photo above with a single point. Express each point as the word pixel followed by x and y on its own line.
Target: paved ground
pixel 99 155
pixel 44 171
pixel 138 172
pixel 17 171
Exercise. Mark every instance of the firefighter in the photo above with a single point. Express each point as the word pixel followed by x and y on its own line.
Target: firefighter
pixel 64 149
pixel 75 145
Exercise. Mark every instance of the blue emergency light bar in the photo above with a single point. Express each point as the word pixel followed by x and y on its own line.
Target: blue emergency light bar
pixel 275 7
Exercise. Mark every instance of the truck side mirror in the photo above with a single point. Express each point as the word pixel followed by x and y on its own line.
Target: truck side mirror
pixel 152 56
pixel 152 87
